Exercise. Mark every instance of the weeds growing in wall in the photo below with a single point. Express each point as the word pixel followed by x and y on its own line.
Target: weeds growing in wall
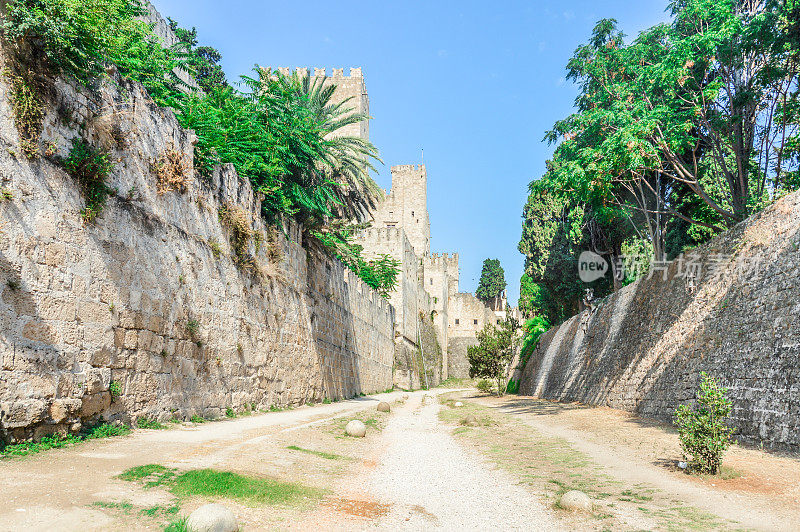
pixel 274 250
pixel 90 167
pixel 173 172
pixel 239 222
pixel 28 109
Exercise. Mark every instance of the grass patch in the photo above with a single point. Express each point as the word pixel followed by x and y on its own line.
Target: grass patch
pixel 248 490
pixel 725 473
pixel 322 454
pixel 211 484
pixel 158 511
pixel 197 419
pixel 177 525
pixel 123 506
pixel 55 441
pixel 143 471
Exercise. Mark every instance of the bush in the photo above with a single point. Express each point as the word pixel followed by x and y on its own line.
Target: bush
pixel 90 167
pixel 702 429
pixel 485 386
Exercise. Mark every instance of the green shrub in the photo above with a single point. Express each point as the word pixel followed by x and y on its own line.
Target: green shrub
pixel 703 433
pixel 485 385
pixel 149 423
pixel 90 167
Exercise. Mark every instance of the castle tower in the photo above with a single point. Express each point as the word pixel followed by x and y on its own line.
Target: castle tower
pixel 406 206
pixel 350 88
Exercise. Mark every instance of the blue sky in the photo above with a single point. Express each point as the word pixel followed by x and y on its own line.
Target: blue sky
pixel 474 84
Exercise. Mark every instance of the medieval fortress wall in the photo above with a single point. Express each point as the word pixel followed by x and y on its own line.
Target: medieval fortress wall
pixel 426 324
pixel 643 348
pixel 145 312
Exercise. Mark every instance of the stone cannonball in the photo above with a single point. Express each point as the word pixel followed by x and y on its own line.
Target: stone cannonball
pixel 212 518
pixel 356 429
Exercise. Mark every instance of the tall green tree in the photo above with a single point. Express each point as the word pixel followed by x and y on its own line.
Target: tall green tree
pixel 492 281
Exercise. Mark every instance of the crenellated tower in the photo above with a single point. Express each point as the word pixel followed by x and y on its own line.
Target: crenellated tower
pixel 351 89
pixel 406 206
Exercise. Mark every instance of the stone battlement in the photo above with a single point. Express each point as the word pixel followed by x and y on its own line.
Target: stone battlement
pixel 381 234
pixel 407 167
pixel 446 260
pixel 337 73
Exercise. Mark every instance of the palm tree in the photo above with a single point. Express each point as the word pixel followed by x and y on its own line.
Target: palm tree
pixel 343 173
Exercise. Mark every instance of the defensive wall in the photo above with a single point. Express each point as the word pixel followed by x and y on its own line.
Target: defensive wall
pixel 730 308
pixel 146 312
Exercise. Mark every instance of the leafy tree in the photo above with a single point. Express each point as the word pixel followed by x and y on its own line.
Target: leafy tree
pixel 491 357
pixel 204 61
pixel 492 281
pixel 702 429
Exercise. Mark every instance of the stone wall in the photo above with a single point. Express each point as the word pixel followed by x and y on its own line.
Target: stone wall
pixel 467 315
pixel 148 300
pixel 643 349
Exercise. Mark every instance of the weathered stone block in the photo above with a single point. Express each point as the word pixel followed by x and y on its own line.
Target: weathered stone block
pixel 94 404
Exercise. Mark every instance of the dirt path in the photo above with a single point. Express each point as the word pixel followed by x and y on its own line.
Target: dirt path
pixel 762 494
pixel 56 490
pixel 423 479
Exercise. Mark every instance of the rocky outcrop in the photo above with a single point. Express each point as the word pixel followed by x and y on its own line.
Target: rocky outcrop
pixel 643 348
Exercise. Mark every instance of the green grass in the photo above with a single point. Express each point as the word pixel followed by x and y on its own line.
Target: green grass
pixel 148 423
pixel 55 441
pixel 229 413
pixel 197 419
pixel 157 511
pixel 177 525
pixel 329 456
pixel 124 506
pixel 211 484
pixel 142 471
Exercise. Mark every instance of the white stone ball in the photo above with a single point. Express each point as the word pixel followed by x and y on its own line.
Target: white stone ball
pixel 356 429
pixel 458 404
pixel 383 406
pixel 212 518
pixel 575 501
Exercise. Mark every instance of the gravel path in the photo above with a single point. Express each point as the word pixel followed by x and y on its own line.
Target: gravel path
pixel 431 482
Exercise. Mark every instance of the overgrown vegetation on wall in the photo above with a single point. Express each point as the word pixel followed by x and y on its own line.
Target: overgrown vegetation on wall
pixel 679 134
pixel 276 130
